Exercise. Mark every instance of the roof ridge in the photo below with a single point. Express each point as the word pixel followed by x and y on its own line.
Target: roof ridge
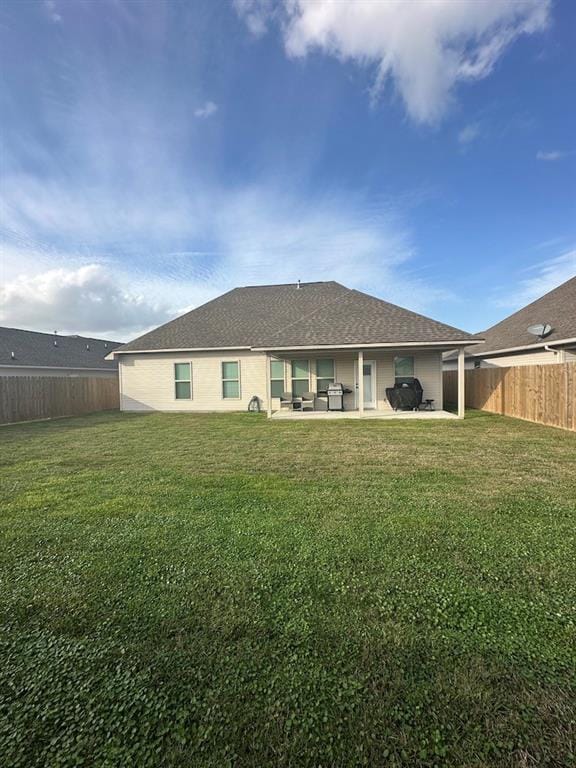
pixel 58 335
pixel 314 311
pixel 286 285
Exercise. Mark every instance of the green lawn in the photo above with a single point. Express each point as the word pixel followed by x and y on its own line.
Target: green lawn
pixel 214 590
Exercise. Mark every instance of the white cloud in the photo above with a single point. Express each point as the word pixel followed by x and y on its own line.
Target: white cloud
pixel 52 11
pixel 542 278
pixel 51 208
pixel 137 200
pixel 256 14
pixel 468 134
pixel 206 110
pixel 424 48
pixel 265 234
pixel 254 235
pixel 84 300
pixel 551 155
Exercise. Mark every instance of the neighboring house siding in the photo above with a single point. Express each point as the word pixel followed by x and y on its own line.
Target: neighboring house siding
pixel 147 380
pixel 533 357
pixel 14 370
pixel 530 357
pixel 452 364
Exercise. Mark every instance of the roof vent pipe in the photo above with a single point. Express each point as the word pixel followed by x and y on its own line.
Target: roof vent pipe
pixel 298 284
pixel 13 355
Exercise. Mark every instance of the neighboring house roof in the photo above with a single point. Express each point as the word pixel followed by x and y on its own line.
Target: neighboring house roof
pixel 556 308
pixel 48 350
pixel 308 314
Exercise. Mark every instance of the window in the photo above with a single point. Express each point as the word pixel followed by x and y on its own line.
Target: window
pixel 300 377
pixel 183 381
pixel 231 380
pixel 404 368
pixel 277 377
pixel 324 374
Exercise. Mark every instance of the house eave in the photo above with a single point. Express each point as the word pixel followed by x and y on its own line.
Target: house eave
pixel 525 347
pixel 115 352
pixel 360 345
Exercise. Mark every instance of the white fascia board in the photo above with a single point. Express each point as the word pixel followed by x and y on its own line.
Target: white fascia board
pixel 388 345
pixel 540 345
pixel 175 349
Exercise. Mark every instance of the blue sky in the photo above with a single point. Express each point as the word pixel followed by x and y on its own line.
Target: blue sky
pixel 155 154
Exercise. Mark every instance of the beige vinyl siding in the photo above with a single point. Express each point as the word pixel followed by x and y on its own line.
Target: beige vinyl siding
pixel 510 360
pixel 532 357
pixel 147 381
pixel 427 369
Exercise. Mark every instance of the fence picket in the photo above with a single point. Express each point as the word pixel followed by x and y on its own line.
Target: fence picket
pixel 25 398
pixel 545 394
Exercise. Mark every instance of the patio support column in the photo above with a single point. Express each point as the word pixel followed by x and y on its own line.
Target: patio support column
pixel 268 387
pixel 361 381
pixel 461 384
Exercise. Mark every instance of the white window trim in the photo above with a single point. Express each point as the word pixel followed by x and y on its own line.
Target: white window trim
pixel 413 366
pixel 222 380
pixel 325 377
pixel 292 379
pixel 183 381
pixel 283 379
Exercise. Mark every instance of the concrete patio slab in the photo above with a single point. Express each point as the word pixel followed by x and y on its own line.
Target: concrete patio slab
pixel 369 414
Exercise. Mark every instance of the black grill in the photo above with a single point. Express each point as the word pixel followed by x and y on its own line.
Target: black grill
pixel 406 394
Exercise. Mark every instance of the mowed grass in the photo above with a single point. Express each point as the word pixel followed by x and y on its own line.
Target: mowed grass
pixel 221 590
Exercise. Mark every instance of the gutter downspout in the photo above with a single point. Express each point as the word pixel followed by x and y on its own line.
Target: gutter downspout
pixel 551 349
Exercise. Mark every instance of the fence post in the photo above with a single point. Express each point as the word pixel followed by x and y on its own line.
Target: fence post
pixel 461 383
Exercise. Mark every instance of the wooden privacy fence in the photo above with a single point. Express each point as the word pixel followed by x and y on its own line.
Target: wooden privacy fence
pixel 542 393
pixel 24 398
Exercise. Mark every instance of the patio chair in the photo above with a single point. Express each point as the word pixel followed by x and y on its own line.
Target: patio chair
pixel 286 400
pixel 308 401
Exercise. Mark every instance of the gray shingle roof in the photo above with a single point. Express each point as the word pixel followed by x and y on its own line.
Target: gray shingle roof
pixel 316 314
pixel 35 349
pixel 557 308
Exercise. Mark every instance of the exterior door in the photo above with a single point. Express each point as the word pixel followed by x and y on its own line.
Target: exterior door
pixel 369 383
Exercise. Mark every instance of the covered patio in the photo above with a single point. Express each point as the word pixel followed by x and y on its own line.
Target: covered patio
pixel 367 375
